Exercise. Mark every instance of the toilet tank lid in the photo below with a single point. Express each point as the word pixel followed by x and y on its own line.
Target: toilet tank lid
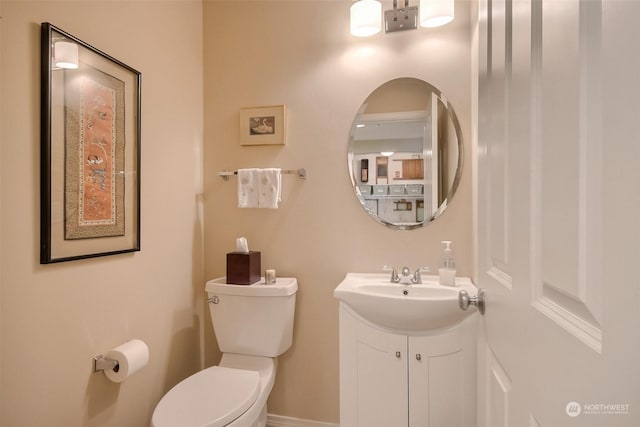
pixel 284 286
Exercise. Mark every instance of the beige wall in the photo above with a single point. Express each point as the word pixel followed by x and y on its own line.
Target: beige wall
pixel 55 318
pixel 300 53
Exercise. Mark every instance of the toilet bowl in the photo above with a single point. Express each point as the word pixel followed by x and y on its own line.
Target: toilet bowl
pixel 256 320
pixel 233 394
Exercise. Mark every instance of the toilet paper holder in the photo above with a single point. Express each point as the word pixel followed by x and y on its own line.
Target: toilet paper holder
pixel 101 363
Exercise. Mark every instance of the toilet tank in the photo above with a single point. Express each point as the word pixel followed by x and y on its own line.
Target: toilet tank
pixel 255 320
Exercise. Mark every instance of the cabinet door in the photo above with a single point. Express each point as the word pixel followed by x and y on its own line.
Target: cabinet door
pixel 373 375
pixel 412 168
pixel 437 396
pixel 381 378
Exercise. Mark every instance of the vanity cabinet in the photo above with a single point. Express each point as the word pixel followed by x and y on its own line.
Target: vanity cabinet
pixel 394 379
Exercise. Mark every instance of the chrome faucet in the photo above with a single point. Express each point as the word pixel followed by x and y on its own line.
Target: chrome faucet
pixel 405 277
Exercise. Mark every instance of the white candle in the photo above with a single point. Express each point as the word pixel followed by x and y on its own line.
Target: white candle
pixel 270 277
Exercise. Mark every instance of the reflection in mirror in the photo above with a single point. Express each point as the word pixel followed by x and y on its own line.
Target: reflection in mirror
pixel 405 153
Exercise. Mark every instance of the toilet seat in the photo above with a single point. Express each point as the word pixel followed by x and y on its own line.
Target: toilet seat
pixel 213 397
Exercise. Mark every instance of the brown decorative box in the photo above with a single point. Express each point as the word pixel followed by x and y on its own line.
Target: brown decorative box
pixel 243 268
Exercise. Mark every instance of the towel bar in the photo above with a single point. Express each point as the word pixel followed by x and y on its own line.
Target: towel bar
pixel 302 173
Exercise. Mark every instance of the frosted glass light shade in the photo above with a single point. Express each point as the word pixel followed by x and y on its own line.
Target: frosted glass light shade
pixel 434 13
pixel 366 18
pixel 65 55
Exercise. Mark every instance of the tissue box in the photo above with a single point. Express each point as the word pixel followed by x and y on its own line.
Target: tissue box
pixel 243 268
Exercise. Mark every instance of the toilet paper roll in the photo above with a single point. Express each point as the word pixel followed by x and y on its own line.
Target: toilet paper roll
pixel 131 356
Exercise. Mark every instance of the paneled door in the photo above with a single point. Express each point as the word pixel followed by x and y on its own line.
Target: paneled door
pixel 558 212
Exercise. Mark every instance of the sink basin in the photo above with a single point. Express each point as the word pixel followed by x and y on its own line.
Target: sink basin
pixel 404 307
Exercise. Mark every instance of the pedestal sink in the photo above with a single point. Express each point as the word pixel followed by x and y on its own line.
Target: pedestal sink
pixel 415 307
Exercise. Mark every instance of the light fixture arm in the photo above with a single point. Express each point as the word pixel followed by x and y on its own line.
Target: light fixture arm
pixel 395 4
pixel 403 19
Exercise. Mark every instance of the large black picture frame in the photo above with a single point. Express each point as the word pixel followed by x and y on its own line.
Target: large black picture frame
pixel 90 151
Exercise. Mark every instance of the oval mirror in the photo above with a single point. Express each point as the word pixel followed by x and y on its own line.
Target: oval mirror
pixel 405 153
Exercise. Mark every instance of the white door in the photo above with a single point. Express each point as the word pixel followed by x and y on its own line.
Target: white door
pixel 558 212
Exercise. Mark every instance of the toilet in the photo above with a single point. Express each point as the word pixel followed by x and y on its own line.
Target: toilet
pixel 253 325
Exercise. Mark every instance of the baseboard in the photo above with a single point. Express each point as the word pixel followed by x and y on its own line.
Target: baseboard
pixel 282 421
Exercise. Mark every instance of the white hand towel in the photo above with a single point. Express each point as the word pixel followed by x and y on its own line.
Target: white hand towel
pixel 270 188
pixel 248 184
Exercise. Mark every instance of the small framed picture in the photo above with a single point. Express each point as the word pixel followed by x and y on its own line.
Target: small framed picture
pixel 262 125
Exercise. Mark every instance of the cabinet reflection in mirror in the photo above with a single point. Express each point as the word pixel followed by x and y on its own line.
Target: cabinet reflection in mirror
pixel 409 131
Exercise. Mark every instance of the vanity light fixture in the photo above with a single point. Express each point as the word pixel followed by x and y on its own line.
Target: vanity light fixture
pixel 435 13
pixel 65 55
pixel 366 19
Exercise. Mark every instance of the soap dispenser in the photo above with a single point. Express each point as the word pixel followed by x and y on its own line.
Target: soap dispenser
pixel 447 270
